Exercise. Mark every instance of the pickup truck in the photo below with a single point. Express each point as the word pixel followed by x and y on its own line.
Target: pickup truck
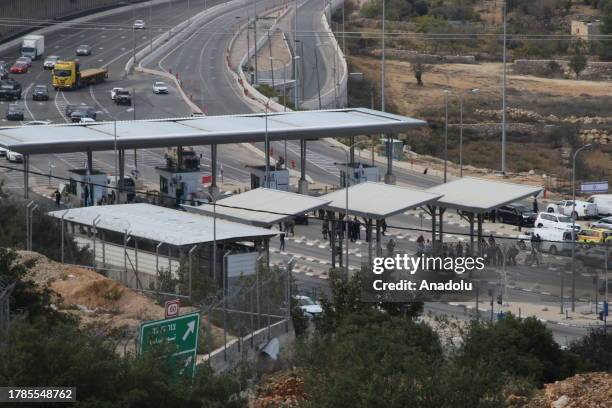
pixel 10 89
pixel 583 209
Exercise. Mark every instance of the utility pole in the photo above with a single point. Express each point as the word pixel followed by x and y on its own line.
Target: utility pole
pixel 295 45
pixel 503 147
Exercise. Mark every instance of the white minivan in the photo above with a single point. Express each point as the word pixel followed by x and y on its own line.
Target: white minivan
pixel 603 202
pixel 554 220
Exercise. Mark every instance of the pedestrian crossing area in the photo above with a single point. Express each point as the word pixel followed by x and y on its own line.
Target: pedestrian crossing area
pixel 318 160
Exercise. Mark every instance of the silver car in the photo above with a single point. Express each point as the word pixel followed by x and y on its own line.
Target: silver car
pixel 603 223
pixel 83 50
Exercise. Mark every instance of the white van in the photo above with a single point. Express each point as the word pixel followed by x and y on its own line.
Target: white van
pixel 554 241
pixel 604 203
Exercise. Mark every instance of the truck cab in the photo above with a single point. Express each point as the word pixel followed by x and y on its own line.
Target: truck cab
pixel 65 75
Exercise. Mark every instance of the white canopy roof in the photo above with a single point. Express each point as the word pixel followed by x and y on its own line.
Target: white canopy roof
pixel 262 206
pixel 68 138
pixel 480 195
pixel 378 200
pixel 161 224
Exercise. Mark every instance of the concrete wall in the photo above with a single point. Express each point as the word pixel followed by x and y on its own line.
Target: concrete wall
pixel 39 10
pixel 239 351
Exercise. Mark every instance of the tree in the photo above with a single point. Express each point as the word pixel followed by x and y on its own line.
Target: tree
pixel 578 63
pixel 418 69
pixel 519 347
pixel 594 350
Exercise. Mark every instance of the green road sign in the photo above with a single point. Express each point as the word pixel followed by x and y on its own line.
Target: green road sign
pixel 181 332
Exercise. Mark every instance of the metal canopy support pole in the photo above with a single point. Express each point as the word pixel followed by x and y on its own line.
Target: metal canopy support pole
pixel 479 217
pixel 26 175
pixel 369 239
pixel 389 177
pixel 125 241
pixel 432 213
pixel 352 149
pixel 136 262
pixel 89 173
pixel 303 184
pixel 157 259
pixel 378 239
pixel 332 238
pixel 121 175
pixel 471 219
pixel 213 168
pixel 440 227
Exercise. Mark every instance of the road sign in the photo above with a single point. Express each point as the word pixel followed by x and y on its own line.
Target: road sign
pixel 594 187
pixel 172 307
pixel 180 332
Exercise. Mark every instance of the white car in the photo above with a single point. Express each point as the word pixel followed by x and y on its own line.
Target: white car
pixel 114 92
pixel 553 220
pixel 160 88
pixel 605 223
pixel 583 209
pixel 309 307
pixel 87 120
pixel 50 62
pixel 139 25
pixel 14 157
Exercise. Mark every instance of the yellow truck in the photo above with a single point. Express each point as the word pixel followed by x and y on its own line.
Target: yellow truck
pixel 68 75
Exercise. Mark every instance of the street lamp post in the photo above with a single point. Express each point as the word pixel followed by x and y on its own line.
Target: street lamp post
pixel 284 80
pixel 346 214
pixel 586 146
pixel 446 92
pixel 461 95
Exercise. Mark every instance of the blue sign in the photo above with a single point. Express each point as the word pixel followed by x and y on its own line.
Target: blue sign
pixel 594 187
pixel 605 308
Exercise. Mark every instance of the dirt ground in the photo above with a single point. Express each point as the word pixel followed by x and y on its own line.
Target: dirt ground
pixel 487 77
pixel 98 300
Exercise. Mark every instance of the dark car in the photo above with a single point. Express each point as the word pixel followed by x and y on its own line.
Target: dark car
pixel 10 89
pixel 15 112
pixel 123 97
pixel 511 213
pixel 69 109
pixel 83 50
pixel 82 111
pixel 4 74
pixel 40 93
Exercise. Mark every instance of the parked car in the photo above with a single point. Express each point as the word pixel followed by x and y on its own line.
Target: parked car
pixel 15 112
pixel 83 50
pixel 583 209
pixel 50 61
pixel 605 223
pixel 595 235
pixel 554 241
pixel 123 97
pixel 25 60
pixel 160 88
pixel 40 93
pixel 603 202
pixel 553 220
pixel 139 25
pixel 511 213
pixel 14 157
pixel 19 68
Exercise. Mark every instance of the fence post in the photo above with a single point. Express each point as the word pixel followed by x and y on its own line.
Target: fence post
pixel 95 233
pixel 190 254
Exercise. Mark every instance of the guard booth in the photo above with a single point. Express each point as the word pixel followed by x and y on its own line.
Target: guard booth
pixel 279 177
pixel 398 148
pixel 81 181
pixel 358 173
pixel 181 178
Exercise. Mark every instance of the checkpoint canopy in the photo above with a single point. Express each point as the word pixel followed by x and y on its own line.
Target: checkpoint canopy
pixel 156 133
pixel 478 196
pixel 262 207
pixel 378 200
pixel 160 224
